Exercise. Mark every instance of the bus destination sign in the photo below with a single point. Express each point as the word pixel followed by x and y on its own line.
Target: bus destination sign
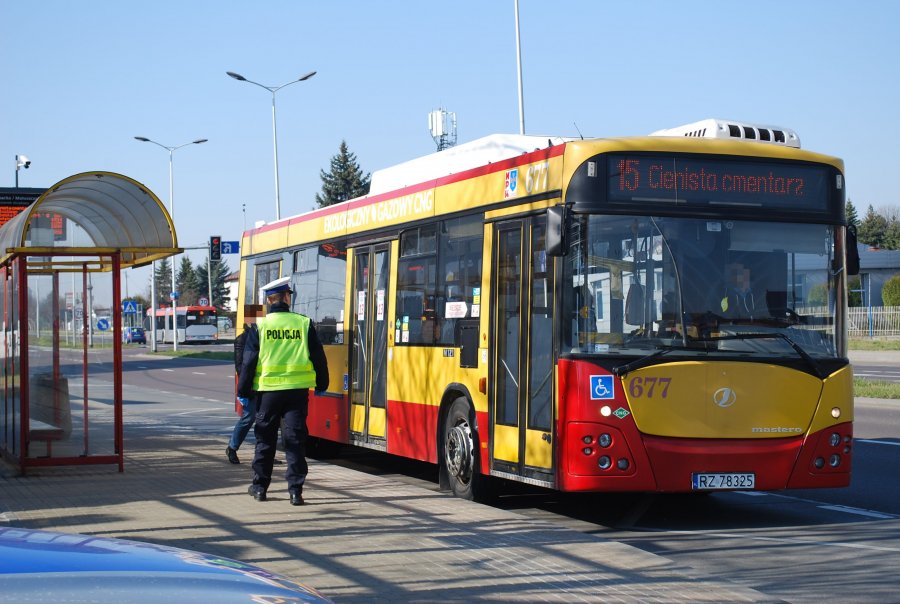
pixel 699 181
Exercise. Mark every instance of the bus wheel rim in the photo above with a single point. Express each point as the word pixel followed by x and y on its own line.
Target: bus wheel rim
pixel 459 451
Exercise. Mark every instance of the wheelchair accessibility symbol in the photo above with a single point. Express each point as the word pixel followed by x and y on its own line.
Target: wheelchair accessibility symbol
pixel 602 388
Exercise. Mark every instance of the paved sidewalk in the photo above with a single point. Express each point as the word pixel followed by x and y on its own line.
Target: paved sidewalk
pixel 887 357
pixel 360 538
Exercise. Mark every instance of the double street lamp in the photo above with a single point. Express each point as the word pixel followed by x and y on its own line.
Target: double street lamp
pixel 171 150
pixel 273 90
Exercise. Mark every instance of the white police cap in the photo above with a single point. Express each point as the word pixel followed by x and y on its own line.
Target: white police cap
pixel 277 286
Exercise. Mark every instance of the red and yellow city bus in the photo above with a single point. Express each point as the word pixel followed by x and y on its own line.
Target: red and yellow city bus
pixel 558 312
pixel 195 324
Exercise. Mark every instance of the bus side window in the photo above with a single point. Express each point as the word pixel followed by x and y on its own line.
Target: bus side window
pixel 412 309
pixel 460 249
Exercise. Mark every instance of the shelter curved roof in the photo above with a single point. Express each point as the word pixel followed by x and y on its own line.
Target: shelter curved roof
pixel 118 213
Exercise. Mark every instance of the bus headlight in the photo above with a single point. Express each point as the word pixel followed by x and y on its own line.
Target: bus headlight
pixel 604 440
pixel 587 450
pixel 835 439
pixel 835 460
pixel 819 463
pixel 587 439
pixel 835 412
pixel 604 462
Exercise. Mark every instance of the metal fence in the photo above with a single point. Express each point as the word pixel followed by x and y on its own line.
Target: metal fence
pixel 874 321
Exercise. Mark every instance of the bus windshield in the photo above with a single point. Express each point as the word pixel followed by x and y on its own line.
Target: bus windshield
pixel 634 284
pixel 200 317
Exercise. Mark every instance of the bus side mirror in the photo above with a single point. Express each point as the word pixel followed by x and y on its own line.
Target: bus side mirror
pixel 556 231
pixel 852 251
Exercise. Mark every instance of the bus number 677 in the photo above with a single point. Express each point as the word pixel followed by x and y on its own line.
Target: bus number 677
pixel 649 386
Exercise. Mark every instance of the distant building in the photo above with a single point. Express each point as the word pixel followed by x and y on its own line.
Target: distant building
pixel 231 284
pixel 876 266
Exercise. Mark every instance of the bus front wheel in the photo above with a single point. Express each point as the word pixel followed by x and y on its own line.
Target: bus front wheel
pixel 461 453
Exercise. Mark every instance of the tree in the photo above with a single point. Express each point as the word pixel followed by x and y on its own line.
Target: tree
pixel 873 228
pixel 892 235
pixel 852 217
pixel 163 281
pixel 890 293
pixel 818 295
pixel 220 271
pixel 344 181
pixel 189 289
pixel 854 291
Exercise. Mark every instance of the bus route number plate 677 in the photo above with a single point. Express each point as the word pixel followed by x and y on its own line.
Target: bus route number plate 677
pixel 711 481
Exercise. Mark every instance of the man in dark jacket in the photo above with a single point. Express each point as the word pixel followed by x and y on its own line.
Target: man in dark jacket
pixel 283 359
pixel 248 404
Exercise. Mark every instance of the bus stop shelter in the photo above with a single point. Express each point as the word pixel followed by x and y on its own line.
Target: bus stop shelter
pixel 62 260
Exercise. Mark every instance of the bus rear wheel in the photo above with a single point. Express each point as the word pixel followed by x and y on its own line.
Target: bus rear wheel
pixel 461 453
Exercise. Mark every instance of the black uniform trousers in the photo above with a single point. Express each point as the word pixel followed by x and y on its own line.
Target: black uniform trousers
pixel 287 408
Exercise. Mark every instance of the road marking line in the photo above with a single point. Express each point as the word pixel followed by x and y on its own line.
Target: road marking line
pixel 876 442
pixel 841 508
pixel 818 504
pixel 199 372
pixel 196 411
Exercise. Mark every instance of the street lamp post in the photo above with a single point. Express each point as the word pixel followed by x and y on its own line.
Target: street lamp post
pixel 273 90
pixel 171 150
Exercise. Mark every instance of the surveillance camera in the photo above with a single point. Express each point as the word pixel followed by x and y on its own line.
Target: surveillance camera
pixel 22 161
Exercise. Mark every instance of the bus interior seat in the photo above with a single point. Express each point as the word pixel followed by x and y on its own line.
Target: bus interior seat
pixel 634 305
pixel 776 302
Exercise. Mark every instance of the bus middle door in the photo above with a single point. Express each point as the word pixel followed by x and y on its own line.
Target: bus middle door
pixel 368 352
pixel 522 363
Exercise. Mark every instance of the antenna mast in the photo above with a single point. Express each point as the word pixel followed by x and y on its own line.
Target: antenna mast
pixel 442 125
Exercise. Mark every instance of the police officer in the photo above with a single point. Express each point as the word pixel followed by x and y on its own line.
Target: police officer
pixel 283 359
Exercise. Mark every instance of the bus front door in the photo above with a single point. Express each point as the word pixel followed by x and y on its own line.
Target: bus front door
pixel 368 352
pixel 522 365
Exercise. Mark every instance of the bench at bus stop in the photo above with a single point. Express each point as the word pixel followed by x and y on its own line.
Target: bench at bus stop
pixel 49 413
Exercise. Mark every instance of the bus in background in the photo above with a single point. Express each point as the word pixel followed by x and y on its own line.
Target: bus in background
pixel 561 312
pixel 196 324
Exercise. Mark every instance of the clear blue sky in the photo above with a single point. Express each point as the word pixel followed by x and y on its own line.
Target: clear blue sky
pixel 81 79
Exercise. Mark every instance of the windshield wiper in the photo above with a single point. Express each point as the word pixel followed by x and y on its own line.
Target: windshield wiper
pixel 648 360
pixel 817 369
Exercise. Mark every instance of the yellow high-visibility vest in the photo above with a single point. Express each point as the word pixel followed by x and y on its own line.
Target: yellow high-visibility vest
pixel 284 362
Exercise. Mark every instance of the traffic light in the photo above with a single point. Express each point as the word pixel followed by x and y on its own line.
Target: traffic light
pixel 215 248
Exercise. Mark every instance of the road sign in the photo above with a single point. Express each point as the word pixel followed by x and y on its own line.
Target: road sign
pixel 103 324
pixel 129 308
pixel 203 301
pixel 173 295
pixel 231 247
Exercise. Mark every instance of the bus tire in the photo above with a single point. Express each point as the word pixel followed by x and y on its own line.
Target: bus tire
pixel 460 453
